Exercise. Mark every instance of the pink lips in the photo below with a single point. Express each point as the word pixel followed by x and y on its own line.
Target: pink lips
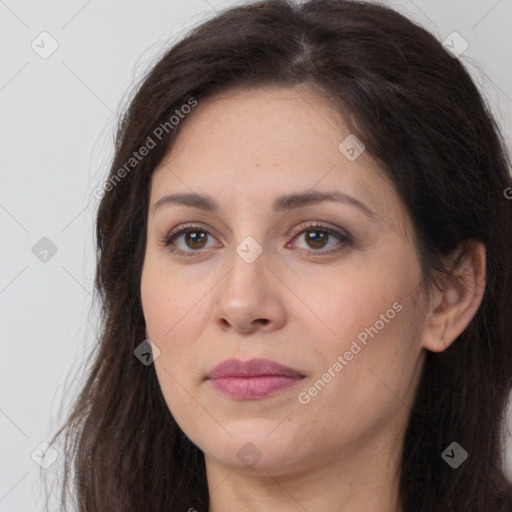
pixel 252 379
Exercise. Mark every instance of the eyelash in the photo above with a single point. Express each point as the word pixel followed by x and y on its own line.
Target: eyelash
pixel 345 239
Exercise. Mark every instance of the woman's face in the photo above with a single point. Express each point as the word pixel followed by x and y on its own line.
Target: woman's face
pixel 268 270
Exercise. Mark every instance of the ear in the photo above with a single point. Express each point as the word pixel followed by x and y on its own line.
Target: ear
pixel 452 308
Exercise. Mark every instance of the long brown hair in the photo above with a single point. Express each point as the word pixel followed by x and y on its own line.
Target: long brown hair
pixel 422 118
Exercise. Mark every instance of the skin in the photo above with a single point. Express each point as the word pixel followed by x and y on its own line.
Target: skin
pixel 339 451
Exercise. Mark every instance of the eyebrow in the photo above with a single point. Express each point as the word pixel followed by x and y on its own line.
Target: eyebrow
pixel 282 203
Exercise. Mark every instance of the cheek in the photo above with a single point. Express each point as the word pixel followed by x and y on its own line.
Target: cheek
pixel 351 303
pixel 168 314
pixel 378 339
pixel 367 375
pixel 175 315
pixel 372 322
pixel 167 303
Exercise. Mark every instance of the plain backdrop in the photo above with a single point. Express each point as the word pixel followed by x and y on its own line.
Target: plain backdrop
pixel 58 114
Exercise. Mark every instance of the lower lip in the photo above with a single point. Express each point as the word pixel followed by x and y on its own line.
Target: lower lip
pixel 253 387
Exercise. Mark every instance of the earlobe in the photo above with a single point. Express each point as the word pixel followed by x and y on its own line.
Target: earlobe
pixel 453 308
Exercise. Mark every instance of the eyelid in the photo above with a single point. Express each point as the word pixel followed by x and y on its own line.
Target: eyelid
pixel 303 226
pixel 188 226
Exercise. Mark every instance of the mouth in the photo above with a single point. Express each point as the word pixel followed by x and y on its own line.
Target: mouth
pixel 253 379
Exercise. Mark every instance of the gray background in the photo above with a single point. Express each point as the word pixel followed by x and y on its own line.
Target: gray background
pixel 58 115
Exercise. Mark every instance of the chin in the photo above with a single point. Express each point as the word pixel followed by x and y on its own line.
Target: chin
pixel 256 452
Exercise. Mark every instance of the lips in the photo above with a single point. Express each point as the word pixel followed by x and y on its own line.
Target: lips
pixel 252 379
pixel 251 368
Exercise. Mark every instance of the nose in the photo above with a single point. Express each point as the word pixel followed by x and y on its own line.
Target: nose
pixel 249 298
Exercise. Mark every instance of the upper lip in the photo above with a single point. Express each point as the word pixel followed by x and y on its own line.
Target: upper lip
pixel 251 368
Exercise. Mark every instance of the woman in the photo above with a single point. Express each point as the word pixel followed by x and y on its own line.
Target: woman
pixel 305 265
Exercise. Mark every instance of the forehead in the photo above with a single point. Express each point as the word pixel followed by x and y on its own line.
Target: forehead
pixel 266 126
pixel 261 142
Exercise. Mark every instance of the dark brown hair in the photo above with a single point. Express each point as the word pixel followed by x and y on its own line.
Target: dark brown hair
pixel 422 118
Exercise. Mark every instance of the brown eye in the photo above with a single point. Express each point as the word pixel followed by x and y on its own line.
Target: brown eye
pixel 188 240
pixel 317 239
pixel 195 239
